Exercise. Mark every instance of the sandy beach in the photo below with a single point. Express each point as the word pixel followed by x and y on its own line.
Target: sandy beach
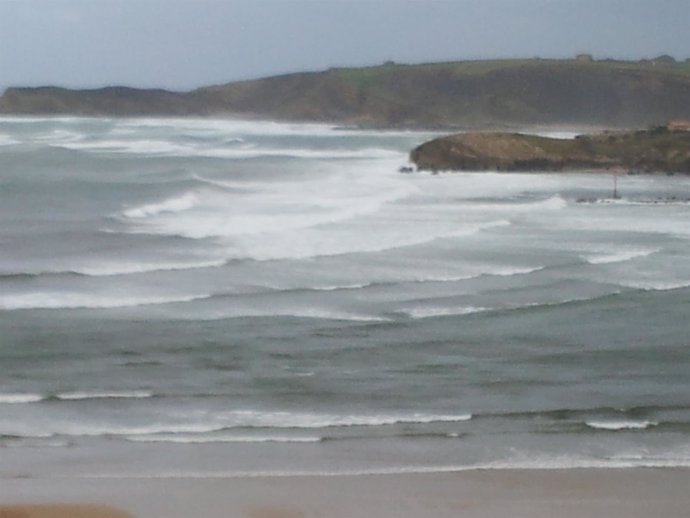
pixel 61 511
pixel 577 493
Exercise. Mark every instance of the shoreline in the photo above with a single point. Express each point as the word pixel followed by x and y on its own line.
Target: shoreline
pixel 533 493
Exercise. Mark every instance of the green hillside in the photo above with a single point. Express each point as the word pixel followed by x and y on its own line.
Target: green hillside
pixel 498 93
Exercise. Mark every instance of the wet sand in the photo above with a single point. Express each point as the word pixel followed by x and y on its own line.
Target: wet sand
pixel 576 493
pixel 61 511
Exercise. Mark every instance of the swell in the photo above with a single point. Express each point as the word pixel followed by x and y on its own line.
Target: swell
pixel 26 276
pixel 22 399
pixel 114 269
pixel 634 414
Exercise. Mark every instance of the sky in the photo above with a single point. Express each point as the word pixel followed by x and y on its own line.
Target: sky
pixel 183 44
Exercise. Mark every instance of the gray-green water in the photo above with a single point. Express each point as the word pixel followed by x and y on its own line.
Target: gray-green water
pixel 207 297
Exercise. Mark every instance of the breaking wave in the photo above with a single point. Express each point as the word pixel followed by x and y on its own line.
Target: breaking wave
pixel 83 301
pixel 177 204
pixel 621 425
pixel 619 256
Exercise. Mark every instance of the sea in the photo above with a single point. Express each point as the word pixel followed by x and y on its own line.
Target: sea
pixel 219 298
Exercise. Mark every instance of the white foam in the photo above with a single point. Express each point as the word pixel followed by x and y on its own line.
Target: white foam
pixel 131 394
pixel 127 268
pixel 430 312
pixel 230 127
pixel 84 301
pixel 18 399
pixel 310 313
pixel 219 426
pixel 330 315
pixel 561 463
pixel 153 147
pixel 211 439
pixel 329 200
pixel 620 256
pixel 336 287
pixel 656 285
pixel 248 418
pixel 95 429
pixel 502 271
pixel 6 140
pixel 176 204
pixel 257 152
pixel 317 242
pixel 232 148
pixel 620 425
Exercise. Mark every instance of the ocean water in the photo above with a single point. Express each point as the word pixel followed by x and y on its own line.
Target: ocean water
pixel 216 298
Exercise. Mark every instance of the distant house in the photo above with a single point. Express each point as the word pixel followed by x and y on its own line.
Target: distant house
pixel 584 58
pixel 679 125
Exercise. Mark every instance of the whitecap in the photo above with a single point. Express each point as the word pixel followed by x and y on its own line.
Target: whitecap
pixel 171 205
pixel 75 429
pixel 249 418
pixel 337 287
pixel 125 268
pixel 619 256
pixel 329 315
pixel 83 301
pixel 18 399
pixel 316 242
pixel 430 312
pixel 659 285
pixel 615 425
pixel 6 140
pixel 78 396
pixel 309 313
pixel 210 439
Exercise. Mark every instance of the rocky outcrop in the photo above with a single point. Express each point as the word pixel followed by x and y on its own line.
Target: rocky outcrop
pixel 651 151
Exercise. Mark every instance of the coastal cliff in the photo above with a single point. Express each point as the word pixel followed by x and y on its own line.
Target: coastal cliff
pixel 651 151
pixel 498 94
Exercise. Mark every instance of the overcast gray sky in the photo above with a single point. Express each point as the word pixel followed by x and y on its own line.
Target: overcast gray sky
pixel 181 44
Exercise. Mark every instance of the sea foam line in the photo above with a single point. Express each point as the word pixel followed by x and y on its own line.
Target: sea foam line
pixel 621 425
pixel 250 418
pixel 211 439
pixel 79 301
pixel 180 203
pixel 431 312
pixel 222 424
pixel 23 399
pixel 620 256
pixel 542 465
pixel 124 268
pixel 126 394
pixel 20 399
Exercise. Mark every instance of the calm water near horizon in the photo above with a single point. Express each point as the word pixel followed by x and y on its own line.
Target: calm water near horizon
pixel 216 297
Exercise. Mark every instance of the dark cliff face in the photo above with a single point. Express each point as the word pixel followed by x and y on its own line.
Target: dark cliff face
pixel 652 151
pixel 462 95
pixel 115 100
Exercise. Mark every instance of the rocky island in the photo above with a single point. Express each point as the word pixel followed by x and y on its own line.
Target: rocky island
pixel 664 149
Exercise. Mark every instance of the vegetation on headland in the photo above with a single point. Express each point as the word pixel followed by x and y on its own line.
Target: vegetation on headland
pixel 657 150
pixel 469 94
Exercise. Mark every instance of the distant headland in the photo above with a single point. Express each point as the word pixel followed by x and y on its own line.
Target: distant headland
pixel 664 149
pixel 498 94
